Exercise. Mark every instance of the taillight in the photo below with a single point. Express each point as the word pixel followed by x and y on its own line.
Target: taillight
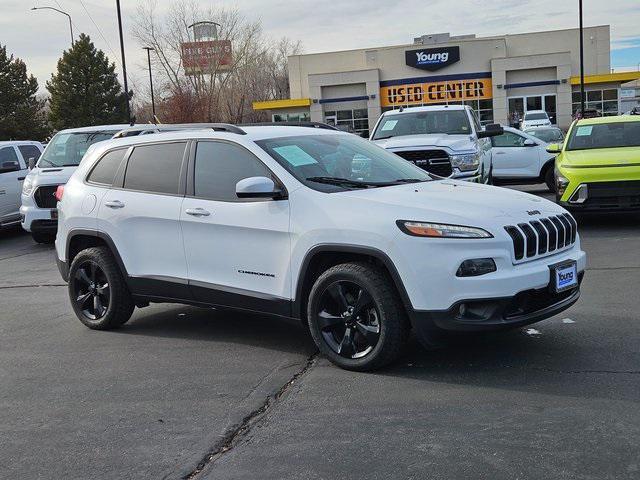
pixel 59 192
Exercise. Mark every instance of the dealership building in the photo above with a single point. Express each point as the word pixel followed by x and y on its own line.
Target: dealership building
pixel 500 77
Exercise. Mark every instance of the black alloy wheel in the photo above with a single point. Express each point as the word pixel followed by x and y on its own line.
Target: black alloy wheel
pixel 348 319
pixel 92 292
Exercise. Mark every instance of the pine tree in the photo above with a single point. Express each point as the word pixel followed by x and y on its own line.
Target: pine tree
pixel 85 90
pixel 21 113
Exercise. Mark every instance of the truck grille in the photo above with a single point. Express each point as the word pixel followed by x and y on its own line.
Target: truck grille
pixel 432 161
pixel 541 237
pixel 45 196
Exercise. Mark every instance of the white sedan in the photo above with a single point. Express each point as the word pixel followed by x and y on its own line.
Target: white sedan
pixel 519 158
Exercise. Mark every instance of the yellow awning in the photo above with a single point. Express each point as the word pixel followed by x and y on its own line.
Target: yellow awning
pixel 286 103
pixel 606 78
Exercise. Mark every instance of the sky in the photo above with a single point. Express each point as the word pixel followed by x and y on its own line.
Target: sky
pixel 38 37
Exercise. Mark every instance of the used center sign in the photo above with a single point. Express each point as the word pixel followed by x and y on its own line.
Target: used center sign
pixel 432 58
pixel 436 92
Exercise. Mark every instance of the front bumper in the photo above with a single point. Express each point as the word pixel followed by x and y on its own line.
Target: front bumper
pixel 524 308
pixel 34 218
pixel 602 196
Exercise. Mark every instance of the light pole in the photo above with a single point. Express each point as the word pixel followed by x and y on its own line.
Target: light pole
pixel 153 103
pixel 124 65
pixel 59 11
pixel 581 63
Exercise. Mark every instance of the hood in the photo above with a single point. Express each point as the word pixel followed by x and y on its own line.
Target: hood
pixel 451 201
pixel 439 140
pixel 51 175
pixel 601 157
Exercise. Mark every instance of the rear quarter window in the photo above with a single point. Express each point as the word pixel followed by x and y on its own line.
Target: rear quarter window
pixel 105 170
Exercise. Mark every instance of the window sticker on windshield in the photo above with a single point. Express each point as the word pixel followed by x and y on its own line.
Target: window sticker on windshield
pixel 584 131
pixel 389 125
pixel 295 155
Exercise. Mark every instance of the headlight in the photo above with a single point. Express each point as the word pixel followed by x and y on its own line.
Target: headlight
pixel 466 162
pixel 561 182
pixel 27 187
pixel 441 230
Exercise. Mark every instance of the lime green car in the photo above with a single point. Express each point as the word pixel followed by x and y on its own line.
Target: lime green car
pixel 598 165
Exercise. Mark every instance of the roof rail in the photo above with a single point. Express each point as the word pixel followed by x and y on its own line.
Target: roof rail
pixel 321 125
pixel 226 127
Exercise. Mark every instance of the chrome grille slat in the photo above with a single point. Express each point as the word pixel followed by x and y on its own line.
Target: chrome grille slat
pixel 543 236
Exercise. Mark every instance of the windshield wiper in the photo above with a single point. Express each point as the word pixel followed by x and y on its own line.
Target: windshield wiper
pixel 384 138
pixel 345 182
pixel 409 180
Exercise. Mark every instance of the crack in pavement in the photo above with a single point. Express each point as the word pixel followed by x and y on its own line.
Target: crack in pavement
pixel 233 436
pixel 20 255
pixel 551 370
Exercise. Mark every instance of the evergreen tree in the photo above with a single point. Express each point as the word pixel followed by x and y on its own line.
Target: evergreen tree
pixel 21 113
pixel 85 90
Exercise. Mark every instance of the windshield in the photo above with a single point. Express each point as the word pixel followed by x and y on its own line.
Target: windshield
pixel 336 162
pixel 451 122
pixel 536 116
pixel 548 135
pixel 67 149
pixel 605 135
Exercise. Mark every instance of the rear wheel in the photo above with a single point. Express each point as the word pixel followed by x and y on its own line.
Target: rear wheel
pixel 97 290
pixel 356 318
pixel 42 237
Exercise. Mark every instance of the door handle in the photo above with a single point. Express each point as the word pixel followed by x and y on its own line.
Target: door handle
pixel 197 212
pixel 21 178
pixel 499 153
pixel 114 204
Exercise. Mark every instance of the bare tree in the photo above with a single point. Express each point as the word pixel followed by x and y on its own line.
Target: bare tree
pixel 222 90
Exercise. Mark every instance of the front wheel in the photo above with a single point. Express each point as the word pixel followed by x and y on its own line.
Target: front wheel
pixel 549 179
pixel 97 290
pixel 356 317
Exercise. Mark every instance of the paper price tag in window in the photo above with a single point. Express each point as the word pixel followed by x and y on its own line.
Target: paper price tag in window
pixel 295 155
pixel 389 125
pixel 584 131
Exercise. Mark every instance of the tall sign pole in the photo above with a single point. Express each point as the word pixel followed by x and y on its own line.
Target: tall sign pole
pixel 581 63
pixel 153 102
pixel 124 65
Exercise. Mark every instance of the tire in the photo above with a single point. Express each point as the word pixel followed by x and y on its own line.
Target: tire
pixel 490 176
pixel 44 238
pixel 550 180
pixel 94 273
pixel 370 333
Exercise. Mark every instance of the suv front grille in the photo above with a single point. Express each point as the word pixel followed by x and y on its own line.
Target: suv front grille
pixel 542 237
pixel 45 196
pixel 613 195
pixel 433 161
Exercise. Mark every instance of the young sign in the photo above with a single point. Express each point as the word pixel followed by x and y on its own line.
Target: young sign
pixel 432 58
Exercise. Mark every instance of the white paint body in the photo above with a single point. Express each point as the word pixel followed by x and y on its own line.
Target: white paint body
pixel 11 182
pixel 156 237
pixel 524 159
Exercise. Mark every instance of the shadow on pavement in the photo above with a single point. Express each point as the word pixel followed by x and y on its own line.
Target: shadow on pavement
pixel 219 326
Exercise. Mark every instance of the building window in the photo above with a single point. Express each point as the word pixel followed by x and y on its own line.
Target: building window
pixel 518 106
pixel 604 101
pixel 354 121
pixel 291 117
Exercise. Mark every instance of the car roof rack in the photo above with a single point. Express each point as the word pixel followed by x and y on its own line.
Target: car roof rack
pixel 321 125
pixel 225 127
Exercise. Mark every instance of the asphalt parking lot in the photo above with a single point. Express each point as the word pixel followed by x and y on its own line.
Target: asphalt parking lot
pixel 200 393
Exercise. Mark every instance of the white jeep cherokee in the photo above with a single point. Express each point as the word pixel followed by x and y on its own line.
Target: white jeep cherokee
pixel 309 224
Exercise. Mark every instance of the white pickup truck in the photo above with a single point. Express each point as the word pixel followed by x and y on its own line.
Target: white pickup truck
pixel 445 140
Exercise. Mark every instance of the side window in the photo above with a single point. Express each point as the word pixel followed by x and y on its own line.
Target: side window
pixel 219 166
pixel 105 170
pixel 508 139
pixel 8 160
pixel 155 168
pixel 29 151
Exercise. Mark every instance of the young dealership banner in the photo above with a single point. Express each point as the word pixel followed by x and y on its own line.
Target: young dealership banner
pixel 436 92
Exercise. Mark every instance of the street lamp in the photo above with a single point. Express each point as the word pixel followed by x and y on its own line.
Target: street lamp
pixel 581 62
pixel 153 103
pixel 59 11
pixel 124 65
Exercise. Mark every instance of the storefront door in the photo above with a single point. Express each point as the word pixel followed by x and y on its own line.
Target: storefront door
pixel 518 106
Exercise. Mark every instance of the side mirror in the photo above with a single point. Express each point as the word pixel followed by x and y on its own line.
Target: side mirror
pixel 529 143
pixel 554 148
pixel 491 130
pixel 7 167
pixel 31 162
pixel 258 187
